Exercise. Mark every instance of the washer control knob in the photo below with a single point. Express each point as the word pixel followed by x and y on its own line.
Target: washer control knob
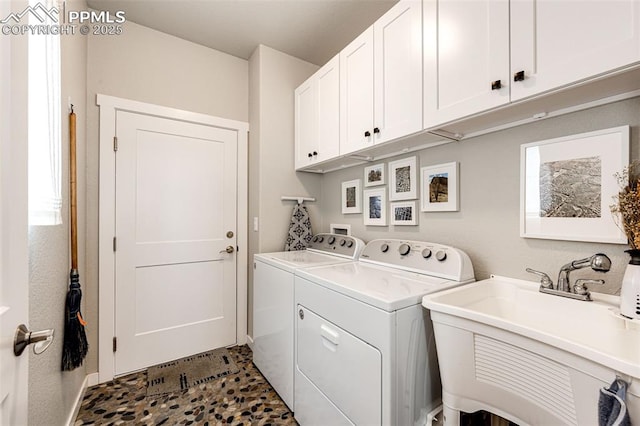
pixel 349 243
pixel 404 249
pixel 384 248
pixel 315 239
pixel 320 239
pixel 342 242
pixel 441 255
pixel 331 240
pixel 426 253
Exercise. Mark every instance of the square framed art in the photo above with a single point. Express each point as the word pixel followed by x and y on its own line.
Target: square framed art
pixel 374 175
pixel 439 188
pixel 567 185
pixel 351 196
pixel 375 207
pixel 403 184
pixel 404 213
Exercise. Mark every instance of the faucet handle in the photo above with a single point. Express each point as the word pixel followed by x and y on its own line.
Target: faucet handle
pixel 580 286
pixel 545 281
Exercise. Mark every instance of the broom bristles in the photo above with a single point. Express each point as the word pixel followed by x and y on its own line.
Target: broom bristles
pixel 75 345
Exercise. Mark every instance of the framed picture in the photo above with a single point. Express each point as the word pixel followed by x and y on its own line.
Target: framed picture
pixel 403 184
pixel 374 175
pixel 375 206
pixel 404 213
pixel 351 196
pixel 439 188
pixel 568 183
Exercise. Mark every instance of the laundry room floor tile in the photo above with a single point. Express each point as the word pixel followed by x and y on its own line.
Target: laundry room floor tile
pixel 243 398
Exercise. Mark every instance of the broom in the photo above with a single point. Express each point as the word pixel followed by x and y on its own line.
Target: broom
pixel 75 344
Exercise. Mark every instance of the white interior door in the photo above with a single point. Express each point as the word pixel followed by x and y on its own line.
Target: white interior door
pixel 175 217
pixel 13 226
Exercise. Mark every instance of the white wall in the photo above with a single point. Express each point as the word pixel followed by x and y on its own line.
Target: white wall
pixel 149 66
pixel 53 393
pixel 487 225
pixel 273 78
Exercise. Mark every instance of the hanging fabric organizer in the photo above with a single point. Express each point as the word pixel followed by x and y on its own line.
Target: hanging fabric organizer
pixel 300 232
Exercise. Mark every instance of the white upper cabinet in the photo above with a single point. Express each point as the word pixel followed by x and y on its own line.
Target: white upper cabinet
pixel 381 80
pixel 559 42
pixel 466 58
pixel 317 116
pixel 356 95
pixel 397 72
pixel 305 123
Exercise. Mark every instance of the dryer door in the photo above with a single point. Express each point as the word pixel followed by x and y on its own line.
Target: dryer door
pixel 344 368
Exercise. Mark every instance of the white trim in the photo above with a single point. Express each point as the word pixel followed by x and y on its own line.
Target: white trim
pixel 89 380
pixel 106 259
pixel 250 341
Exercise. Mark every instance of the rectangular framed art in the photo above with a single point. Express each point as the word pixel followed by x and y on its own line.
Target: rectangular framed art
pixel 404 213
pixel 439 188
pixel 567 185
pixel 350 197
pixel 403 184
pixel 374 175
pixel 375 207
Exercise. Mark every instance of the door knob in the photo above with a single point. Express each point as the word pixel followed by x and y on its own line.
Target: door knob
pixel 229 250
pixel 367 134
pixel 24 338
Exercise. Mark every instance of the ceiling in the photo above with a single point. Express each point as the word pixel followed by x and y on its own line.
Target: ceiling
pixel 312 30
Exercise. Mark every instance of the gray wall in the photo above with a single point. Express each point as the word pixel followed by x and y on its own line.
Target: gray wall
pixel 53 393
pixel 487 225
pixel 149 66
pixel 273 78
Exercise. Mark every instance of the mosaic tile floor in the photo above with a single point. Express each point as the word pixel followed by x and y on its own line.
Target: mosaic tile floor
pixel 244 398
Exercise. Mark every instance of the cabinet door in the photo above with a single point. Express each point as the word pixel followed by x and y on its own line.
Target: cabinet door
pixel 356 93
pixel 466 48
pixel 398 71
pixel 305 123
pixel 558 42
pixel 328 106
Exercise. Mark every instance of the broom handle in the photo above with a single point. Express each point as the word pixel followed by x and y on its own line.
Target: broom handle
pixel 74 194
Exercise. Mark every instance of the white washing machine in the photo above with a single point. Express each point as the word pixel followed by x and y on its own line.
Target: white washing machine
pixel 365 350
pixel 274 308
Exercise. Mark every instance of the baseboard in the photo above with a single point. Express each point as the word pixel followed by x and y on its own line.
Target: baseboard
pixel 250 342
pixel 89 380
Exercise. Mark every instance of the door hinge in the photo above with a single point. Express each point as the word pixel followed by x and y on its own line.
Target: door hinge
pixel 115 143
pixel 114 244
pixel 115 343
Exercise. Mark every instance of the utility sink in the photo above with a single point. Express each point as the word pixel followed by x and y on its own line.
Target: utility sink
pixel 531 357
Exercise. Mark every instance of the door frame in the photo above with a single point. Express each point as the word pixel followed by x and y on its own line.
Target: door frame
pixel 109 106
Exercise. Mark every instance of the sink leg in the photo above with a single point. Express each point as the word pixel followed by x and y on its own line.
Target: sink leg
pixel 451 416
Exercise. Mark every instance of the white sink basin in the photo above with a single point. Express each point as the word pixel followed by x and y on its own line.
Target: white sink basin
pixel 491 334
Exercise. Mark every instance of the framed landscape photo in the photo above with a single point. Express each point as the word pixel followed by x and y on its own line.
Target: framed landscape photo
pixel 567 185
pixel 403 184
pixel 375 207
pixel 404 213
pixel 439 188
pixel 351 196
pixel 374 175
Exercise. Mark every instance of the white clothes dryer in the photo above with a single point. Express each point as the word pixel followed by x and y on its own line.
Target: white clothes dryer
pixel 274 308
pixel 365 350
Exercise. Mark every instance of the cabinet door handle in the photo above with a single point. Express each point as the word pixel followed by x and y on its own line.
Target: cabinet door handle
pixel 315 153
pixel 367 134
pixel 495 85
pixel 519 76
pixel 376 130
pixel 310 155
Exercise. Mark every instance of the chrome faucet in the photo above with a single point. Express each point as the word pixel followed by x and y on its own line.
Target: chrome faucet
pixel 598 262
